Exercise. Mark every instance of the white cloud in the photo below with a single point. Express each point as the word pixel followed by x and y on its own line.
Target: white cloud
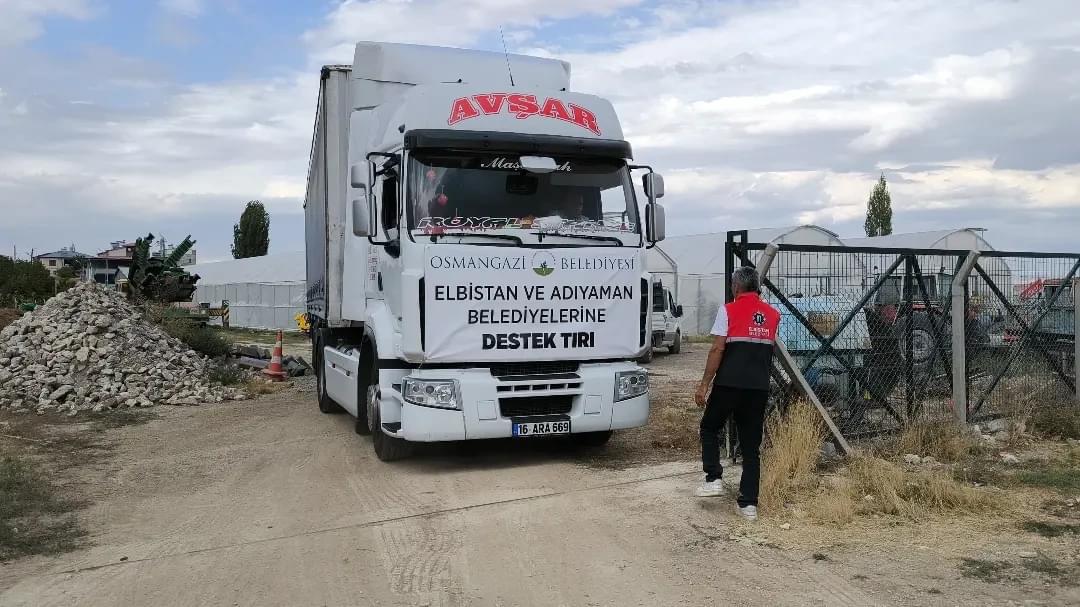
pixel 187 8
pixel 21 19
pixel 764 113
pixel 439 22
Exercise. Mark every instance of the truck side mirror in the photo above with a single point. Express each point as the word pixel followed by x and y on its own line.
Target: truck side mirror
pixel 655 227
pixel 678 311
pixel 361 212
pixel 653 184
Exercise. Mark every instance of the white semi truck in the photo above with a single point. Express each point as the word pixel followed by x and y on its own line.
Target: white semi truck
pixel 475 251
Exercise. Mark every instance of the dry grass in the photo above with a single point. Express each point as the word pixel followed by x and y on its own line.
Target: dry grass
pixel 791 454
pixel 33 518
pixel 257 386
pixel 1059 421
pixel 884 487
pixel 944 440
pixel 869 484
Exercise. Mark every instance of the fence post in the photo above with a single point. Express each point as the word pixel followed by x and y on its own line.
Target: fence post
pixel 959 337
pixel 1076 336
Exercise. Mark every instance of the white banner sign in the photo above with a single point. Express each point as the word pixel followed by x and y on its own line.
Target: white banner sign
pixel 491 304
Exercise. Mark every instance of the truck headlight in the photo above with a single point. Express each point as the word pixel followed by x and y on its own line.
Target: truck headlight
pixel 441 393
pixel 629 384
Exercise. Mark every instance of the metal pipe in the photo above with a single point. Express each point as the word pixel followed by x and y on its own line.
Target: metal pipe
pixel 766 259
pixel 959 337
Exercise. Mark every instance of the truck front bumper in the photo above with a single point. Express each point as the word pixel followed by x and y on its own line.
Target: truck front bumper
pixel 489 404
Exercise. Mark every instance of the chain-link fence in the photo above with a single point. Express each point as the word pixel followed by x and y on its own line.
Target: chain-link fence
pixel 1024 354
pixel 872 330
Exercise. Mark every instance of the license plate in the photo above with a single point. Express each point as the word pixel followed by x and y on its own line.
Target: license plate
pixel 544 428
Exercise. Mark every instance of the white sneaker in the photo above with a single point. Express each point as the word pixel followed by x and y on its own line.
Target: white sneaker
pixel 711 489
pixel 748 512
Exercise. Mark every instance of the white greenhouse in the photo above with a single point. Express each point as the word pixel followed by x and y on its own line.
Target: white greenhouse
pixel 263 292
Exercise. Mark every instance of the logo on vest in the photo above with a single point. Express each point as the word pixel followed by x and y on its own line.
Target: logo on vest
pixel 759 318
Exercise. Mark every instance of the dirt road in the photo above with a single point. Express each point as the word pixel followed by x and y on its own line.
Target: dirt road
pixel 269 502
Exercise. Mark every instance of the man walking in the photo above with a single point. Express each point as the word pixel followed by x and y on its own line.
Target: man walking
pixel 737 371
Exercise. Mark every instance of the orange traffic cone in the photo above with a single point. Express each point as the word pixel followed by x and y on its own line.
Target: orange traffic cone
pixel 274 371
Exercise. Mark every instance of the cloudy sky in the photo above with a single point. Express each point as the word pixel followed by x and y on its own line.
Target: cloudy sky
pixel 119 117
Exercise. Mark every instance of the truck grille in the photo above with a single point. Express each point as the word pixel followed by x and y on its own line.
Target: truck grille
pixel 533 368
pixel 535 405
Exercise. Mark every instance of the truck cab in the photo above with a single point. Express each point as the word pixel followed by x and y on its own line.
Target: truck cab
pixel 475 251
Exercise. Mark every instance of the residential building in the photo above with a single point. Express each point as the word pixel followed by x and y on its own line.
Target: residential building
pixel 59 259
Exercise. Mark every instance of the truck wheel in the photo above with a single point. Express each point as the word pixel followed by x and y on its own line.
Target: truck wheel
pixel 923 345
pixel 676 347
pixel 326 404
pixel 647 357
pixel 593 439
pixel 365 404
pixel 387 448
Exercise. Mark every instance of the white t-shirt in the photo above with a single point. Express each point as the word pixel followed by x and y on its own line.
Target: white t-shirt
pixel 720 327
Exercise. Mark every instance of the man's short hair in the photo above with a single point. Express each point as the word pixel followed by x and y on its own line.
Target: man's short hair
pixel 745 280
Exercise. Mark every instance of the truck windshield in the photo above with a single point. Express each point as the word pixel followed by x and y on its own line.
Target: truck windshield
pixel 456 193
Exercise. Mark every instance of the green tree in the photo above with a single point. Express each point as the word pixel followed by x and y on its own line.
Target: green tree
pixel 879 210
pixel 24 280
pixel 66 277
pixel 251 237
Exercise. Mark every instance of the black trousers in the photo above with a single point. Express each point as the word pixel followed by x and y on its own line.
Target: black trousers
pixel 748 409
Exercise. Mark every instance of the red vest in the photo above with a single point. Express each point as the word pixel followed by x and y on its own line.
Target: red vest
pixel 752 327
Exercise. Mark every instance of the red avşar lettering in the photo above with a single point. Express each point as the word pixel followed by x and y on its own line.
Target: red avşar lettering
pixel 553 108
pixel 522 106
pixel 490 103
pixel 462 110
pixel 584 118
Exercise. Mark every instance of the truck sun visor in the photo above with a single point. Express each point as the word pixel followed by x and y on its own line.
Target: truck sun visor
pixel 550 145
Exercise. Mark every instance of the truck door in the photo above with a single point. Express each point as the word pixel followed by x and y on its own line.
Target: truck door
pixel 388 209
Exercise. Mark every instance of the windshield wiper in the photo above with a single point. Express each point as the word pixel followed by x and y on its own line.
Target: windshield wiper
pixel 540 236
pixel 515 239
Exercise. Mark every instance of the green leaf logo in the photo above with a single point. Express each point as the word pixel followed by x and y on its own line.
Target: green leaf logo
pixel 543 263
pixel 543 269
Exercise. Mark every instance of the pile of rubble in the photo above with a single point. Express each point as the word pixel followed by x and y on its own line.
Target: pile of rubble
pixel 90 349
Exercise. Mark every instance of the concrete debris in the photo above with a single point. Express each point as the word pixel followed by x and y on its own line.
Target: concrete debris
pixel 254 357
pixel 828 450
pixel 912 459
pixel 88 349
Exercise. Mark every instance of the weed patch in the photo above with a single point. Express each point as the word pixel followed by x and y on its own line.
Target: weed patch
pixel 987 571
pixel 1048 529
pixel 107 420
pixel 33 520
pixel 227 375
pixel 1061 421
pixel 791 454
pixel 943 440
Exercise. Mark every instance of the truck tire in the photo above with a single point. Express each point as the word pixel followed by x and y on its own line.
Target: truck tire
pixel 388 448
pixel 647 357
pixel 928 357
pixel 367 393
pixel 326 404
pixel 676 347
pixel 593 439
